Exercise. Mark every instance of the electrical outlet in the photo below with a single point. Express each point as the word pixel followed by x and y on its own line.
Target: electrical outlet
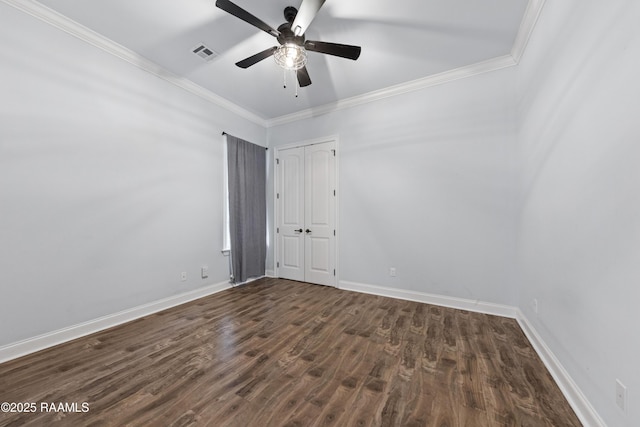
pixel 205 271
pixel 392 271
pixel 621 395
pixel 183 276
pixel 534 305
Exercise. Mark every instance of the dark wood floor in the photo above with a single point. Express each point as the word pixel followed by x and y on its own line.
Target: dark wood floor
pixel 276 352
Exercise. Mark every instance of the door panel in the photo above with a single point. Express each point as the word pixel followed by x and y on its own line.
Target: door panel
pixel 319 187
pixel 292 250
pixel 320 213
pixel 291 214
pixel 292 206
pixel 320 248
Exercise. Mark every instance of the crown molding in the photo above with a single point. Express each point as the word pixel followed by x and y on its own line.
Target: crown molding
pixel 411 86
pixel 55 19
pixel 45 14
pixel 528 23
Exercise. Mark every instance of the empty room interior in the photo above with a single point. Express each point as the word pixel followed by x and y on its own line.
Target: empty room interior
pixel 307 212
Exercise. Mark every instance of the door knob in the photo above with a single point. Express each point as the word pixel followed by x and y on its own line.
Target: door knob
pixel 298 231
pixel 307 231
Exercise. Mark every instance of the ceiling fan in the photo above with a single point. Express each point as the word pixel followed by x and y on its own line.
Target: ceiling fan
pixel 292 52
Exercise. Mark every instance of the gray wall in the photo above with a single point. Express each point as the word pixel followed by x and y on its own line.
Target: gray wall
pixel 427 186
pixel 110 182
pixel 579 228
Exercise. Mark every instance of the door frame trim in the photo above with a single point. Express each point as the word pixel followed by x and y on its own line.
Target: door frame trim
pixel 276 216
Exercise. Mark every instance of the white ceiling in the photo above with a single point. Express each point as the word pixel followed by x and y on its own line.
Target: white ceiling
pixel 401 42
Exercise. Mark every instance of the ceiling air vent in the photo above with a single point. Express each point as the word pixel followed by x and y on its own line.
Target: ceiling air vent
pixel 204 52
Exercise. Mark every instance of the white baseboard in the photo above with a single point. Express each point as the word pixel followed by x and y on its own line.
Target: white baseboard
pixel 50 339
pixel 581 406
pixel 578 401
pixel 442 300
pixel 270 273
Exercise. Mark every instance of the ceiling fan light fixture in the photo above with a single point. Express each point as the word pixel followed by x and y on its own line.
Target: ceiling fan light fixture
pixel 291 56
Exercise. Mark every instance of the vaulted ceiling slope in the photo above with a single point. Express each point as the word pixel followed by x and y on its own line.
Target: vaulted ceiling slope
pixel 402 43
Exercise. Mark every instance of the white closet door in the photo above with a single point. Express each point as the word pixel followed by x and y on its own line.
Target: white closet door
pixel 319 208
pixel 291 214
pixel 307 213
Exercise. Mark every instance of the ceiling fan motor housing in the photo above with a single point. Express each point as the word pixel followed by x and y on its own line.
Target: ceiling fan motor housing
pixel 286 34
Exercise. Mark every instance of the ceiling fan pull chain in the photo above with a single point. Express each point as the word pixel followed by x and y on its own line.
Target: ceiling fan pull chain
pixel 284 78
pixel 297 85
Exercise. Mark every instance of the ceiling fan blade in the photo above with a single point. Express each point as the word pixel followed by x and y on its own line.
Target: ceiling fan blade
pixel 254 59
pixel 303 77
pixel 306 13
pixel 336 49
pixel 239 12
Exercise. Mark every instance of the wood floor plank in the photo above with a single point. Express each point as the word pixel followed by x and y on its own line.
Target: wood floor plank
pixel 283 353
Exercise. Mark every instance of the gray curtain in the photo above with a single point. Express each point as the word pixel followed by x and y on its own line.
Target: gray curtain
pixel 247 208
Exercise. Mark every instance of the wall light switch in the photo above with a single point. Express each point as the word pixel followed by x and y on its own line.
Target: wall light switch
pixel 183 276
pixel 205 271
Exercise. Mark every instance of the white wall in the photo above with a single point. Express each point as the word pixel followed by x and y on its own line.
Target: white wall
pixel 110 186
pixel 110 182
pixel 579 231
pixel 426 186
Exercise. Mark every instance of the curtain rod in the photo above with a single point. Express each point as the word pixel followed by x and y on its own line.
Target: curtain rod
pixel 224 133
